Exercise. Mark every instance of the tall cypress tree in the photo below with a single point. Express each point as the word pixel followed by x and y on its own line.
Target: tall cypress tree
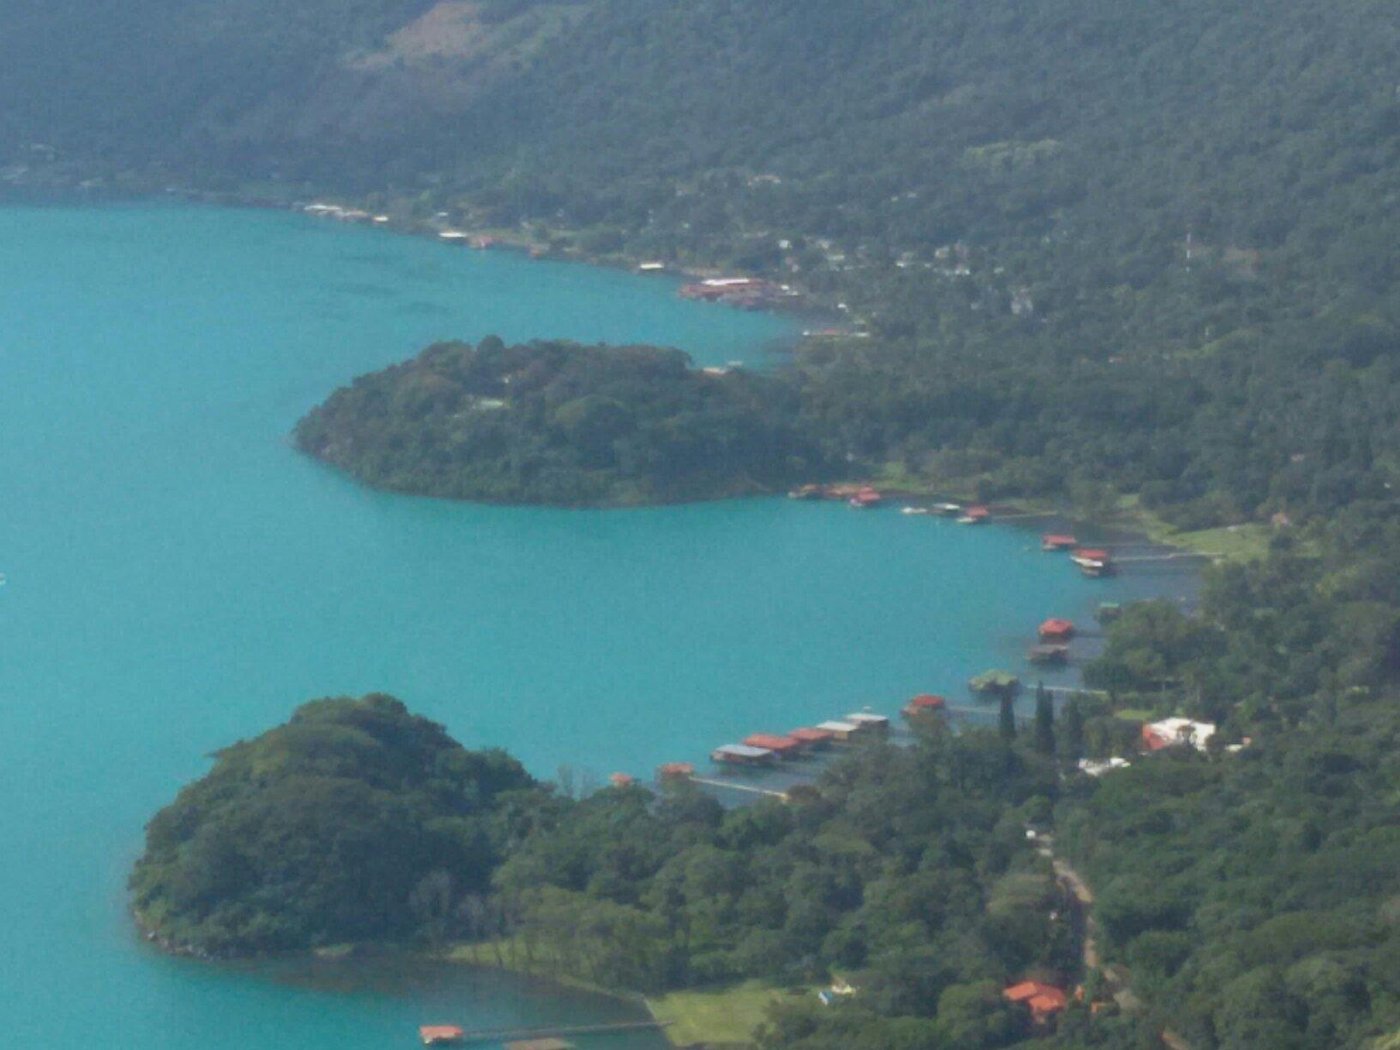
pixel 1007 717
pixel 1044 720
pixel 1072 737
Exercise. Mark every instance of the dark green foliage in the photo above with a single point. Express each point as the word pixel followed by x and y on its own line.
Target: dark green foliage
pixel 354 821
pixel 904 870
pixel 1044 720
pixel 562 423
pixel 1006 717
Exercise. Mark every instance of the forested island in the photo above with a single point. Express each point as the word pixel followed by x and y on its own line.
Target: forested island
pixel 560 423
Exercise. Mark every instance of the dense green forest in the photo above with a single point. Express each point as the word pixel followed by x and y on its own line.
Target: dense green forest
pixel 334 827
pixel 551 422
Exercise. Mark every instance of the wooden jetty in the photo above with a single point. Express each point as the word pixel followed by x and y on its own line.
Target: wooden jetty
pixel 508 1035
pixel 730 785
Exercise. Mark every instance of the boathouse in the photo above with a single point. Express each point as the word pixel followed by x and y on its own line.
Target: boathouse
pixel 924 704
pixel 867 722
pixel 865 498
pixel 743 755
pixel 622 780
pixel 1056 630
pixel 675 771
pixel 782 746
pixel 812 739
pixel 1054 541
pixel 440 1034
pixel 840 731
pixel 1048 655
pixel 977 515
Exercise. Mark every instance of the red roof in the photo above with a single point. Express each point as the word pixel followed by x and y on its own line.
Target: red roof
pixel 977 512
pixel 772 742
pixel 1055 627
pixel 1041 998
pixel 1154 740
pixel 1092 553
pixel 1053 539
pixel 811 736
pixel 676 770
pixel 924 702
pixel 621 780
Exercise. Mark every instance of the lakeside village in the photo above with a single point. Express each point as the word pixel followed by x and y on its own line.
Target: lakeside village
pixel 744 293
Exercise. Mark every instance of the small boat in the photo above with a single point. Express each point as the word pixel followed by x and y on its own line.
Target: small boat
pixel 975 516
pixel 947 509
pixel 440 1034
pixel 913 510
pixel 1092 561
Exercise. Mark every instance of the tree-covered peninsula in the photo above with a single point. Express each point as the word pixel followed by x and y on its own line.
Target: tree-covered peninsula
pixel 562 423
pixel 354 821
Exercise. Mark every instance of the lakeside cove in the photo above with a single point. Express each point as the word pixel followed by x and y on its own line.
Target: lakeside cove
pixel 167 596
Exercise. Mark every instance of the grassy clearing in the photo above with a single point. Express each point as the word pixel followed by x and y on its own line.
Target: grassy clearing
pixel 1228 543
pixel 716 1016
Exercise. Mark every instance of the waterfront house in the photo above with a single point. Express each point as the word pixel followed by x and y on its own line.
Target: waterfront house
pixel 782 746
pixel 675 771
pixel 1056 629
pixel 923 705
pixel 866 722
pixel 743 755
pixel 813 739
pixel 1053 541
pixel 840 731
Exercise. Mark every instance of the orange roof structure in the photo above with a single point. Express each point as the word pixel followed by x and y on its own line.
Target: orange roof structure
pixel 622 780
pixel 1043 999
pixel 924 703
pixel 1056 628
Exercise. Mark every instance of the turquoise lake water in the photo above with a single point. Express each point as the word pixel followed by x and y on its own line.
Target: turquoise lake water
pixel 179 578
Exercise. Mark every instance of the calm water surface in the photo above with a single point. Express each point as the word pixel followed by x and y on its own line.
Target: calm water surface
pixel 179 578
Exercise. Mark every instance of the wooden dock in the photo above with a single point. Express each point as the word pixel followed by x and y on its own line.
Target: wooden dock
pixel 509 1035
pixel 729 785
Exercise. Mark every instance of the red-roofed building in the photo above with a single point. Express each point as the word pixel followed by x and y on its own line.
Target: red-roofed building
pixel 675 771
pixel 1056 630
pixel 782 746
pixel 621 780
pixel 924 704
pixel 1053 541
pixel 865 498
pixel 1043 1000
pixel 813 739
